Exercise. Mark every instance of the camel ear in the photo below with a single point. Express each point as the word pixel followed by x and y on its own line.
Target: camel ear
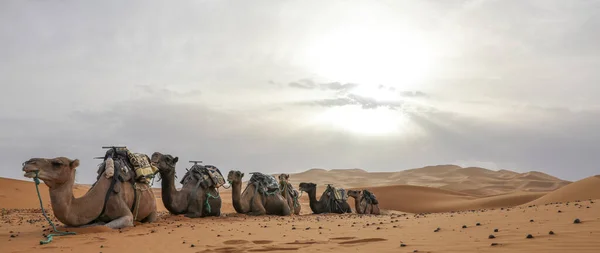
pixel 176 159
pixel 242 175
pixel 74 164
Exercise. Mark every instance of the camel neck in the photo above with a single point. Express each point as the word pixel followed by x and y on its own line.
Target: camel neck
pixel 357 202
pixel 78 211
pixel 312 198
pixel 171 197
pixel 236 192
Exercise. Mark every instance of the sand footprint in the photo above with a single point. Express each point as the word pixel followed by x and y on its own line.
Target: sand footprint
pixel 342 238
pixel 367 240
pixel 262 242
pixel 234 242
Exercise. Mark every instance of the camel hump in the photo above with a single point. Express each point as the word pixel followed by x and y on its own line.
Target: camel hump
pixel 207 176
pixel 215 175
pixel 128 161
pixel 370 197
pixel 339 194
pixel 266 183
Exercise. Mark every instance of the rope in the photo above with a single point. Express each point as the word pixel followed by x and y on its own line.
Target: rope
pixel 58 233
pixel 137 202
pixel 208 196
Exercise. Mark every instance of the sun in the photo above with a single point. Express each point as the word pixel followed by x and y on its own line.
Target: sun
pixel 371 55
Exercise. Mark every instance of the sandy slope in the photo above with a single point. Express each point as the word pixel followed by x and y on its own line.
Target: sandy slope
pixel 471 180
pixel 418 199
pixel 328 233
pixel 588 188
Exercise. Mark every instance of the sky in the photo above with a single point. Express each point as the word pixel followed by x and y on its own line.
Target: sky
pixel 285 86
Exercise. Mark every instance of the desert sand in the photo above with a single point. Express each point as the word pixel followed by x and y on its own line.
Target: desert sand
pixel 413 210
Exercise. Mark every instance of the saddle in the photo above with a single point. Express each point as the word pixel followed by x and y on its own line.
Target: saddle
pixel 207 176
pixel 370 197
pixel 265 183
pixel 290 189
pixel 339 194
pixel 134 167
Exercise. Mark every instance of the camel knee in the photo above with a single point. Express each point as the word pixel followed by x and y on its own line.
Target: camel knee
pixel 122 222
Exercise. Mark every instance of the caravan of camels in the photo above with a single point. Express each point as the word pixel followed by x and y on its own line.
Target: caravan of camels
pixel 122 192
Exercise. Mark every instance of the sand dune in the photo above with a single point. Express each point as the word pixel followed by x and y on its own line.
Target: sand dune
pixel 470 180
pixel 588 188
pixel 419 199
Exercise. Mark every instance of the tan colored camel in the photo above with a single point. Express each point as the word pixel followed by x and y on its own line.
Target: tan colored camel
pixel 362 205
pixel 289 193
pixel 59 175
pixel 251 202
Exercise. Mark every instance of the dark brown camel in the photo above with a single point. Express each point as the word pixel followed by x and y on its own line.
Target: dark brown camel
pixel 191 200
pixel 326 204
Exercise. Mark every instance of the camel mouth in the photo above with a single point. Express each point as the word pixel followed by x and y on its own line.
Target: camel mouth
pixel 30 172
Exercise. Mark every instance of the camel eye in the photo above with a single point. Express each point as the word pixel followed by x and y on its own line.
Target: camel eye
pixel 56 163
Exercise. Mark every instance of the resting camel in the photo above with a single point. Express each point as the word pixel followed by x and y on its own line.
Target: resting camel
pixel 91 209
pixel 362 204
pixel 251 202
pixel 326 204
pixel 191 199
pixel 289 193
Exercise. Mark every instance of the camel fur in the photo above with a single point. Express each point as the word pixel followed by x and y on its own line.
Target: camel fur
pixel 362 205
pixel 325 204
pixel 251 202
pixel 59 175
pixel 289 193
pixel 191 199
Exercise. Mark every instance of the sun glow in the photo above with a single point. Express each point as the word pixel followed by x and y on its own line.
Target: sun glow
pixel 371 55
pixel 374 122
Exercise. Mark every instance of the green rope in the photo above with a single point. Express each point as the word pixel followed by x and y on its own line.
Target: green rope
pixel 49 236
pixel 208 196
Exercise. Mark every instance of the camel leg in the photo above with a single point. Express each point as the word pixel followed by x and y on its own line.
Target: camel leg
pixel 196 206
pixel 285 208
pixel 151 217
pixel 257 206
pixel 121 222
pixel 120 208
pixel 95 224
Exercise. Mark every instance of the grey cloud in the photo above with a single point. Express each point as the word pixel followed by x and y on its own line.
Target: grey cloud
pixel 308 83
pixel 338 86
pixel 303 84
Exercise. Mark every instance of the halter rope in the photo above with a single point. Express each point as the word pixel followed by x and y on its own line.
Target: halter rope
pixel 49 236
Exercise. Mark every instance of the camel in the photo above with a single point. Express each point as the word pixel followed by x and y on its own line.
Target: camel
pixel 107 203
pixel 325 204
pixel 289 193
pixel 363 204
pixel 252 201
pixel 192 198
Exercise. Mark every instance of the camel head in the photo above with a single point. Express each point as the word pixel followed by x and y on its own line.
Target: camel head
pixel 354 193
pixel 235 176
pixel 164 162
pixel 53 171
pixel 284 177
pixel 306 187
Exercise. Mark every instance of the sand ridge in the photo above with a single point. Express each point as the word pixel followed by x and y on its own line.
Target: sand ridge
pixel 470 180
